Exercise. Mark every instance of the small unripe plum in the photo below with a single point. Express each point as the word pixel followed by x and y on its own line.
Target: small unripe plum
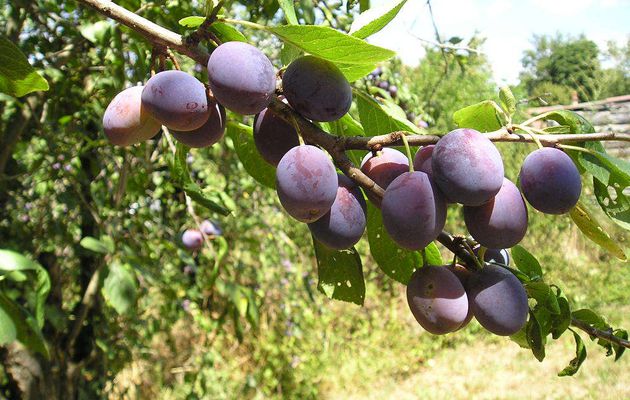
pixel 317 89
pixel 273 136
pixel 383 85
pixel 208 134
pixel 126 121
pixel 498 300
pixel 383 168
pixel 437 300
pixel 210 228
pixel 342 226
pixel 467 167
pixel 414 211
pixel 498 256
pixel 177 100
pixel 192 239
pixel 306 182
pixel 393 90
pixel 550 181
pixel 500 223
pixel 241 77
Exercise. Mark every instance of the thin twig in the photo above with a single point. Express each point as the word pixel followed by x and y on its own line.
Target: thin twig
pixel 598 333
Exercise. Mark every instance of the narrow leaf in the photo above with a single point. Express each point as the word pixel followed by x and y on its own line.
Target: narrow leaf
pixel 589 226
pixel 580 356
pixel 94 245
pixel 289 11
pixel 535 337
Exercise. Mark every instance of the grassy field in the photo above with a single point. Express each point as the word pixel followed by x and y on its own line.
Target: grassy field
pixel 398 360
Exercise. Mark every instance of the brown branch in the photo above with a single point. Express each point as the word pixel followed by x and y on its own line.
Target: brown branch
pixel 152 32
pixel 501 135
pixel 605 335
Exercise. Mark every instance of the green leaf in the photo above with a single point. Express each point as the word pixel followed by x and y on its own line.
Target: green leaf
pixel 481 116
pixel 354 57
pixel 526 262
pixel 8 331
pixel 352 72
pixel 364 5
pixel 538 291
pixel 289 53
pixel 330 44
pixel 562 321
pixel 580 356
pixel 94 245
pixel 619 350
pixel 289 11
pixel 192 21
pixel 432 254
pixel 340 274
pixel 21 326
pixel 590 317
pixel 379 118
pixel 373 20
pixel 611 180
pixel 182 179
pixel 507 99
pixel 395 262
pixel 227 33
pixel 96 32
pixel 589 226
pixel 535 337
pixel 254 164
pixel 17 76
pixel 120 288
pixel 574 121
pixel 11 262
pixel 520 338
pixel 237 296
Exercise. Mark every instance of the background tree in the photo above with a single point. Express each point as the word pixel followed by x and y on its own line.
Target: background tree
pixel 562 65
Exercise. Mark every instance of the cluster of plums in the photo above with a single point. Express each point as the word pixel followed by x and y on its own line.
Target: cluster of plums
pixel 463 167
pixel 241 78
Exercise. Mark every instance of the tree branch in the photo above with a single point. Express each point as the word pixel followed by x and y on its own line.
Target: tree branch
pixel 152 32
pixel 605 335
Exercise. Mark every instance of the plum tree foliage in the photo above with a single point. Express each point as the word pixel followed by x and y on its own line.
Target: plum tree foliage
pixel 317 113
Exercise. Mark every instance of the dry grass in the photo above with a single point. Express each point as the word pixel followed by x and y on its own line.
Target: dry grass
pixel 495 369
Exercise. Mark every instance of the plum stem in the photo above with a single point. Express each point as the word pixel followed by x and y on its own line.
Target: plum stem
pixel 408 151
pixel 531 133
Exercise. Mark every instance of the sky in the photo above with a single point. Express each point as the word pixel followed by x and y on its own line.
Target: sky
pixel 508 26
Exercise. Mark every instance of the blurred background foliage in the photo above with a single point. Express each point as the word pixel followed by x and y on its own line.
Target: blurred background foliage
pixel 243 318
